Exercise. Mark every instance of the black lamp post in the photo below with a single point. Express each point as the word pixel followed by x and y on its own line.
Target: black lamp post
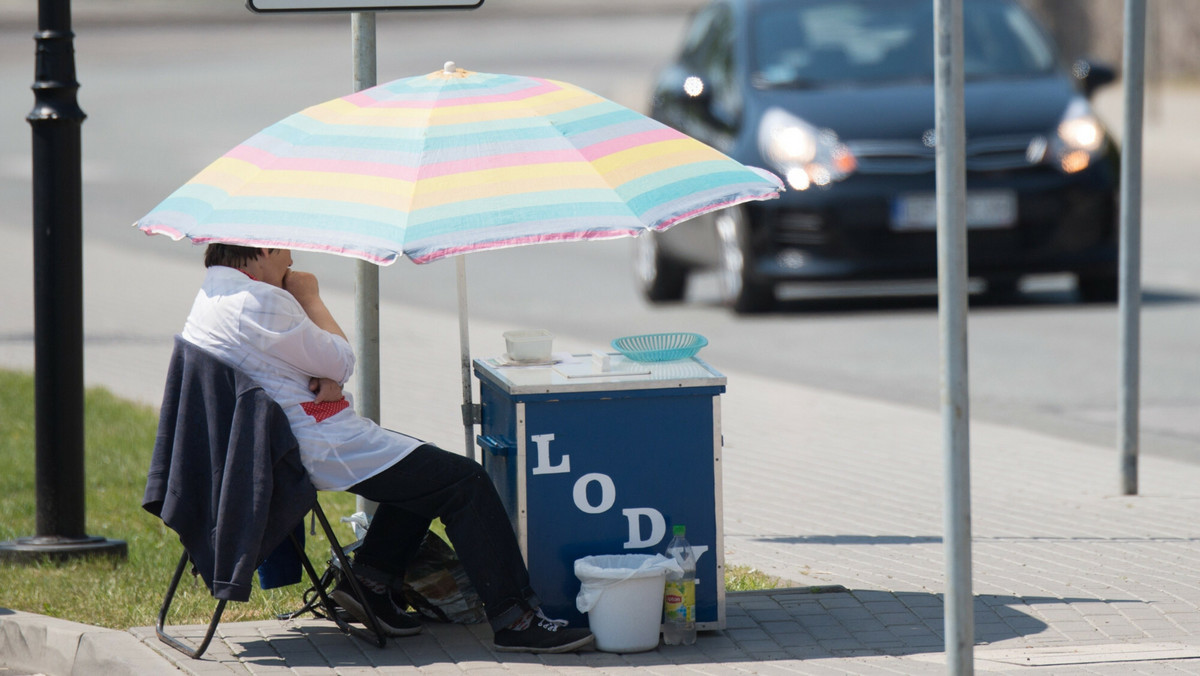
pixel 58 301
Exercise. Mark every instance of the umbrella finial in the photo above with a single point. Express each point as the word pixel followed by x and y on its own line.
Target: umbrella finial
pixel 448 71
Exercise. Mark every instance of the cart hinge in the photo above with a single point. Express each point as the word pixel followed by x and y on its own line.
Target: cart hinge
pixel 472 414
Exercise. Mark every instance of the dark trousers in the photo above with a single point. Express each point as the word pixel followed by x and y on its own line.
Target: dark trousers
pixel 432 483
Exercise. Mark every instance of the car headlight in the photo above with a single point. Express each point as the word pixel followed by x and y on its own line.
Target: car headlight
pixel 803 154
pixel 1076 142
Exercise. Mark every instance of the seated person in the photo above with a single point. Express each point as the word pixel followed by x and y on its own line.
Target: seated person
pixel 256 313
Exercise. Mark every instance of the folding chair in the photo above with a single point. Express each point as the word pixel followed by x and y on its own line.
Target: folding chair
pixel 330 610
pixel 226 463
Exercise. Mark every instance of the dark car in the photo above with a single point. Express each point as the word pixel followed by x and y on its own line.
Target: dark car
pixel 837 98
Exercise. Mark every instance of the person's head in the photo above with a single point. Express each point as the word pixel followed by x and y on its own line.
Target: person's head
pixel 230 255
pixel 266 265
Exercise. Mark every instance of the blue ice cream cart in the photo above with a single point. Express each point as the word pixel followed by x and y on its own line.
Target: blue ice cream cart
pixel 598 454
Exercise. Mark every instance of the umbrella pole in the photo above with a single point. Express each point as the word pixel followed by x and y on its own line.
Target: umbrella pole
pixel 464 341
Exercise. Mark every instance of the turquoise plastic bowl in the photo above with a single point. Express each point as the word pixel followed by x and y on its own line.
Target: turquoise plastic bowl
pixel 660 346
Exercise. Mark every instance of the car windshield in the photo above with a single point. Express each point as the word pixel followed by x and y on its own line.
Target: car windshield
pixel 827 43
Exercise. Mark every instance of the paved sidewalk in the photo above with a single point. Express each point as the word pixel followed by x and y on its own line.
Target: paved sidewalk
pixel 820 489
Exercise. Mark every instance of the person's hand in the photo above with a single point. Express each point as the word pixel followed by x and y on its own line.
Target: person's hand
pixel 325 389
pixel 302 285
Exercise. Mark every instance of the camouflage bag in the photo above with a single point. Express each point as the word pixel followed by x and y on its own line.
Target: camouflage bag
pixel 436 585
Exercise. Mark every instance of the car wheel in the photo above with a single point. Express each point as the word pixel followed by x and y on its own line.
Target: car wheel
pixel 660 278
pixel 739 290
pixel 1097 289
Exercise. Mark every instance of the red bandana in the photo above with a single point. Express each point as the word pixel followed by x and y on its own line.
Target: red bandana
pixel 325 409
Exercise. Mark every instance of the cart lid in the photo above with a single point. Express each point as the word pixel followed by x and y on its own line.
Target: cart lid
pixel 567 372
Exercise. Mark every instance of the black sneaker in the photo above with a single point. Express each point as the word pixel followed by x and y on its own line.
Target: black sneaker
pixel 392 620
pixel 543 635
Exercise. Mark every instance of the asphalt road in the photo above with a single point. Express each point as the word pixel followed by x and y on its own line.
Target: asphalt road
pixel 164 99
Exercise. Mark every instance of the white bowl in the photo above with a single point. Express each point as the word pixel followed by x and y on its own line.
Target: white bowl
pixel 529 344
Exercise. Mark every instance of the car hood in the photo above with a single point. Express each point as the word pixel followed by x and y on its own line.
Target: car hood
pixel 994 107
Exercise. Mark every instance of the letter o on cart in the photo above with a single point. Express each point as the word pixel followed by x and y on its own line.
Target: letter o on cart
pixel 608 493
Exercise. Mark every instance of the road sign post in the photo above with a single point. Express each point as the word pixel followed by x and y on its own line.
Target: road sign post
pixel 362 28
pixel 952 320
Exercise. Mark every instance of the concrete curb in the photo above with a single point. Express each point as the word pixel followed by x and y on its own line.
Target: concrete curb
pixel 62 648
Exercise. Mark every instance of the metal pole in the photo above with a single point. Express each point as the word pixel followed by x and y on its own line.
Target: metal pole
pixel 1130 294
pixel 470 418
pixel 58 279
pixel 952 319
pixel 56 119
pixel 366 278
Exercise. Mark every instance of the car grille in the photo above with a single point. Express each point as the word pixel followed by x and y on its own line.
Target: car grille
pixel 993 153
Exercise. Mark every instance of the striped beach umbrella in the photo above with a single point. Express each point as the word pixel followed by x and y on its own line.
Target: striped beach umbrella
pixel 454 162
pixel 450 163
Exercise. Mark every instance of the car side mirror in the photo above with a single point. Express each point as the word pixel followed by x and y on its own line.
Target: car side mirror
pixel 1093 75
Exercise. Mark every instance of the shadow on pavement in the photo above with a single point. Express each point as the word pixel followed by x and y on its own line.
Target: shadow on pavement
pixel 860 622
pixel 890 301
pixel 847 539
pixel 766 625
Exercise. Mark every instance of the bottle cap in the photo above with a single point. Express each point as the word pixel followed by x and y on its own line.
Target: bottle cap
pixel 679 530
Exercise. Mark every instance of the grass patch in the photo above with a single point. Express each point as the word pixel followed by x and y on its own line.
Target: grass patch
pixel 745 578
pixel 119 438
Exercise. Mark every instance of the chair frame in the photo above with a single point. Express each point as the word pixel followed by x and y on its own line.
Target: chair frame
pixel 375 635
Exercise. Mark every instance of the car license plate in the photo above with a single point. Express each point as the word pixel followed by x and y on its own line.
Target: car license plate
pixel 985 209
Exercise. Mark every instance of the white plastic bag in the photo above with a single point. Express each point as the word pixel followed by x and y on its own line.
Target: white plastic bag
pixel 359 522
pixel 597 573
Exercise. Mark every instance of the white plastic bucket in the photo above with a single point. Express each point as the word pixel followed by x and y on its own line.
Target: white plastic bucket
pixel 623 596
